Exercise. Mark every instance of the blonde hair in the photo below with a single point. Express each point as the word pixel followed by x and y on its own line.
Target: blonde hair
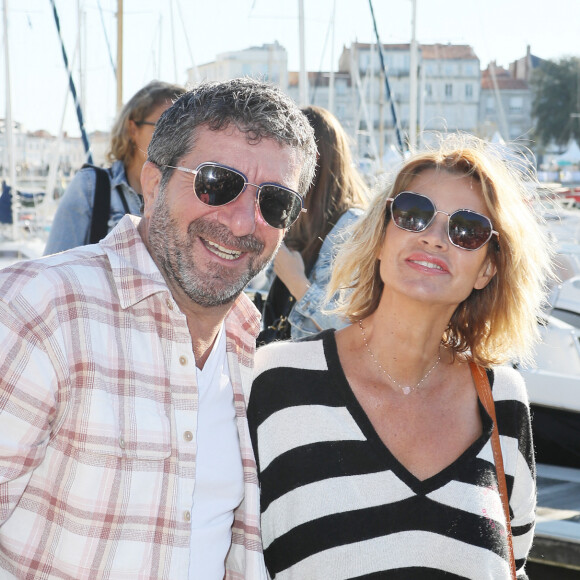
pixel 498 323
pixel 137 108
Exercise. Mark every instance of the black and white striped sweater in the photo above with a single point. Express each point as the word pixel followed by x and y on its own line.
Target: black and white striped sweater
pixel 335 503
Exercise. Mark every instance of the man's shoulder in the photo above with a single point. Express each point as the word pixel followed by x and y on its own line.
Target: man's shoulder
pixel 48 275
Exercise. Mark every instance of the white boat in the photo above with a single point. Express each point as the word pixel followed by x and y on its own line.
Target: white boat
pixel 12 251
pixel 553 380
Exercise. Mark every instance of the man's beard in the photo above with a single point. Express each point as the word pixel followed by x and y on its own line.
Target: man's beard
pixel 172 251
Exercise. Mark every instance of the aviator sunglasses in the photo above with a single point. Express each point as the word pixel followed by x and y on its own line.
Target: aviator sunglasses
pixel 215 184
pixel 466 229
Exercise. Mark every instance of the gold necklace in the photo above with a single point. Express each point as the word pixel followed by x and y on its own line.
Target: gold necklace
pixel 405 388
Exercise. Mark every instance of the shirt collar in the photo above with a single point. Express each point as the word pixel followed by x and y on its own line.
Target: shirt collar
pixel 137 277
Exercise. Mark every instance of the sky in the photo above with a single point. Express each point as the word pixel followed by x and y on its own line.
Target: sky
pixel 163 38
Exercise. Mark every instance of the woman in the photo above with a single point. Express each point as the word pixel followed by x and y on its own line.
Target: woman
pixel 303 264
pixel 130 138
pixel 373 448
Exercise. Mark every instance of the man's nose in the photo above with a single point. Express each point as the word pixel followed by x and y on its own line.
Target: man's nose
pixel 240 215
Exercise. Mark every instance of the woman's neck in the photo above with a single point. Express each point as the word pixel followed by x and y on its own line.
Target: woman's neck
pixel 133 173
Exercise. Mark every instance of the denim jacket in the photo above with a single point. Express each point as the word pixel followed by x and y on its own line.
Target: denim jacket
pixel 72 221
pixel 309 314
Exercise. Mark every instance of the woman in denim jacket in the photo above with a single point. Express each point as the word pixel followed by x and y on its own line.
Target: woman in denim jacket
pixel 130 138
pixel 303 264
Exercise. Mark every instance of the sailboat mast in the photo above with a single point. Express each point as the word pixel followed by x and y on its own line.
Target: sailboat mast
pixel 303 78
pixel 413 82
pixel 331 80
pixel 119 55
pixel 15 204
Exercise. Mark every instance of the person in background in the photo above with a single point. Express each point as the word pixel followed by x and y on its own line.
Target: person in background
pixel 373 447
pixel 130 137
pixel 125 450
pixel 304 262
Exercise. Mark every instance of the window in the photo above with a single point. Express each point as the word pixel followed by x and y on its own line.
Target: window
pixel 468 91
pixel 489 105
pixel 516 104
pixel 428 90
pixel 448 90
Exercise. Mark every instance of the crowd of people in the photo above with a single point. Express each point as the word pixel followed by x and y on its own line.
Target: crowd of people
pixel 381 434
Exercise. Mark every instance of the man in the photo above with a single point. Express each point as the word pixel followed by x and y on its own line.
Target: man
pixel 124 447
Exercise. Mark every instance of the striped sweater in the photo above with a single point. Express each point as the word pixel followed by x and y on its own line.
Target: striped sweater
pixel 335 503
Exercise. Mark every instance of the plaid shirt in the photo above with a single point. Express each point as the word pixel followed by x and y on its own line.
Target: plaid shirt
pixel 98 416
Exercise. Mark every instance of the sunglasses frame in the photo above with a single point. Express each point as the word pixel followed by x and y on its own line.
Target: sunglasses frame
pixel 259 187
pixel 449 216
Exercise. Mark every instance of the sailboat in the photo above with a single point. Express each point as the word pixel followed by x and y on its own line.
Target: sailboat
pixel 17 240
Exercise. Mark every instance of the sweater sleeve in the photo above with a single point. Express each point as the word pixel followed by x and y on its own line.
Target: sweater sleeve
pixel 70 227
pixel 513 417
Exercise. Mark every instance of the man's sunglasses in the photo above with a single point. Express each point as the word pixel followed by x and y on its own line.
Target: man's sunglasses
pixel 466 229
pixel 215 184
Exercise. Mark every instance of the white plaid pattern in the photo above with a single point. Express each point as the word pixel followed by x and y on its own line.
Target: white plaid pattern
pixel 96 368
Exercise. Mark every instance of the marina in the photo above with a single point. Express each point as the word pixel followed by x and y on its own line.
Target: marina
pixel 553 381
pixel 557 537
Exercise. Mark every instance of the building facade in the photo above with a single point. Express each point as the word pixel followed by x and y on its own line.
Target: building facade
pixel 268 62
pixel 505 106
pixel 453 94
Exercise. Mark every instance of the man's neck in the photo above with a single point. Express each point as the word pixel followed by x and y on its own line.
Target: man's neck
pixel 203 322
pixel 204 326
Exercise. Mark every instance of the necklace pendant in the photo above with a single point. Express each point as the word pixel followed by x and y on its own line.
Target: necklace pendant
pixel 406 390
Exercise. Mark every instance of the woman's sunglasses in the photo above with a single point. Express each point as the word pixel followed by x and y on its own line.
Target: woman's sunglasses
pixel 215 184
pixel 466 229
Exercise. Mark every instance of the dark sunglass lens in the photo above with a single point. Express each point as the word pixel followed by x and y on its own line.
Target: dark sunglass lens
pixel 412 212
pixel 215 185
pixel 469 230
pixel 279 208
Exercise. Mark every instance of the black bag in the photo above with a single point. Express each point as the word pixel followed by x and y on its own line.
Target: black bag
pixel 275 312
pixel 102 204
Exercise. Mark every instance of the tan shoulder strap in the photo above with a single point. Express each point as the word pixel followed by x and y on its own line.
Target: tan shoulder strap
pixel 486 398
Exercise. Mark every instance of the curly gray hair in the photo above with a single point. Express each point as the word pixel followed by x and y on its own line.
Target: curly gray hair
pixel 258 109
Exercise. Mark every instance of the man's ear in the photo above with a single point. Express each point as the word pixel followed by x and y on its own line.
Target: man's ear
pixel 150 181
pixel 487 272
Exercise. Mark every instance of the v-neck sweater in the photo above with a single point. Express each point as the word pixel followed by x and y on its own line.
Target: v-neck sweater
pixel 336 503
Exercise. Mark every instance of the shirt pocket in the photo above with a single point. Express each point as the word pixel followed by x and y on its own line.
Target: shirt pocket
pixel 130 427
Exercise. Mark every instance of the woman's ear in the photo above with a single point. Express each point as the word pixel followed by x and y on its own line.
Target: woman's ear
pixel 132 130
pixel 487 272
pixel 150 181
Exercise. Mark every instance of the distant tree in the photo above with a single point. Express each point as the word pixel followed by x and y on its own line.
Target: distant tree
pixel 556 88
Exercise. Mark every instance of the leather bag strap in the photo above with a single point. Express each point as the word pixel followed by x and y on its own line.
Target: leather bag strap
pixel 486 398
pixel 101 204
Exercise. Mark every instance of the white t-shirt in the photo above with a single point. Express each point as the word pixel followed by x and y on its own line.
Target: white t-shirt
pixel 219 481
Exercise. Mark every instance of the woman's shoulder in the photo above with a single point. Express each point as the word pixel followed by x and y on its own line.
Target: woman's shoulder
pixel 305 354
pixel 508 384
pixel 349 217
pixel 339 231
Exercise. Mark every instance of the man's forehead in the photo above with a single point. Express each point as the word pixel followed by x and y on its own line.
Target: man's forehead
pixel 242 151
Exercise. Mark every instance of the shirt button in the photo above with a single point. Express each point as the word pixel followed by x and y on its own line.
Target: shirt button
pixel 188 435
pixel 169 304
pixel 121 442
pixel 182 360
pixel 187 516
